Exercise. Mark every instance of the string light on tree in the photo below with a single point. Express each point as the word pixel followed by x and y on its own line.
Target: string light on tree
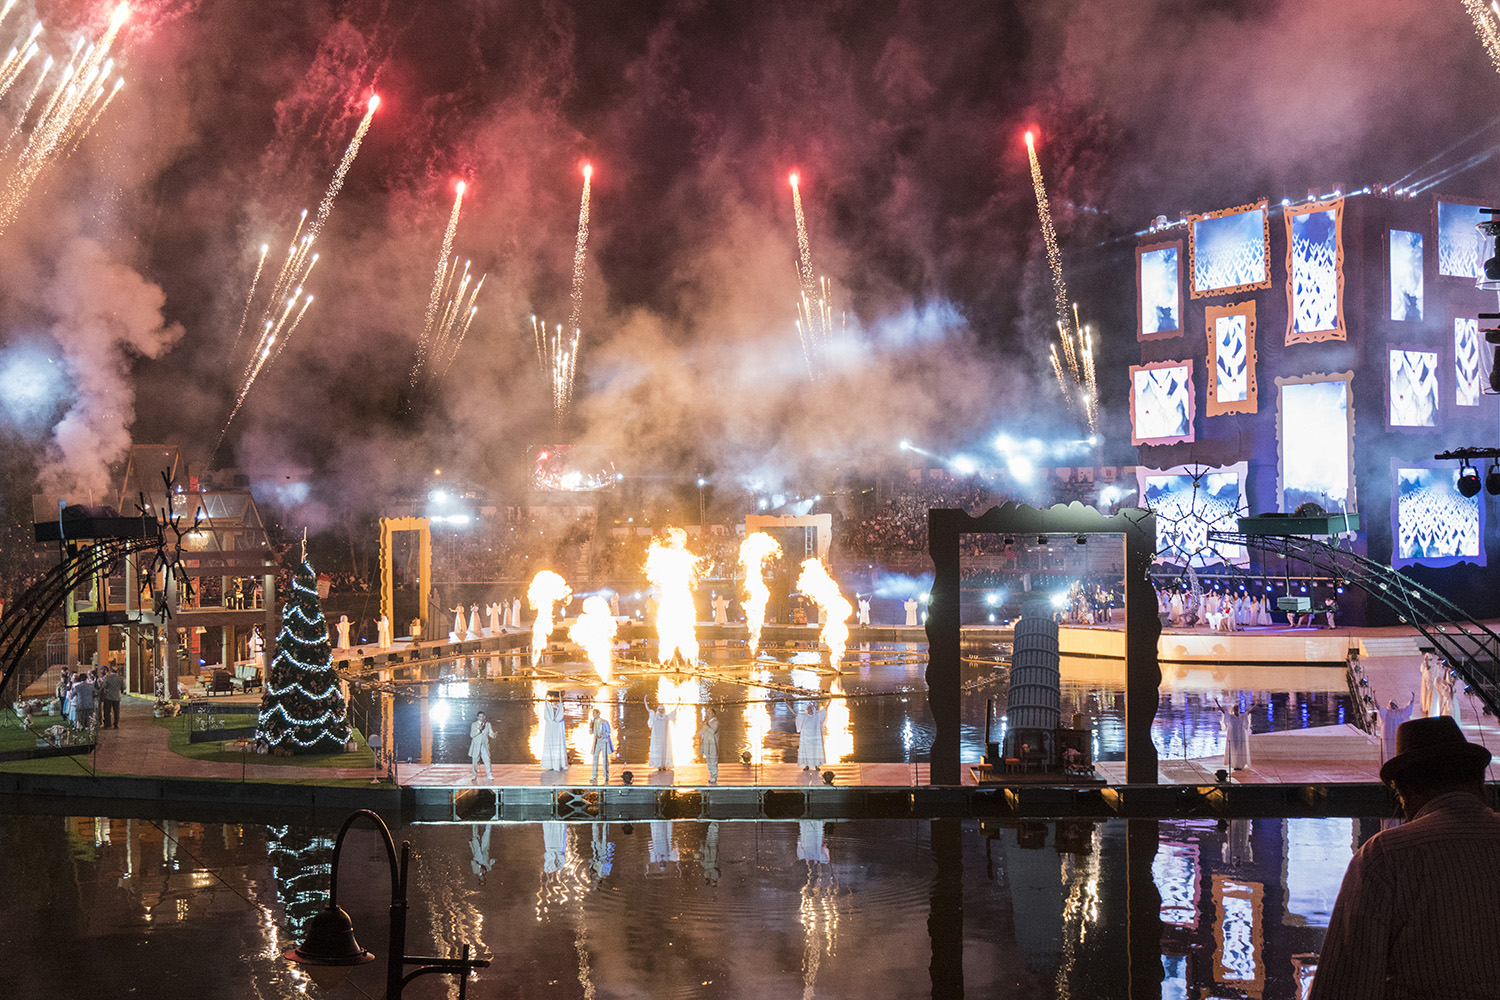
pixel 302 707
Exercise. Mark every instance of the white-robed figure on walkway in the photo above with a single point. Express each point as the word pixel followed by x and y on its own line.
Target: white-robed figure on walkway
pixel 864 611
pixel 554 734
pixel 1443 685
pixel 480 732
pixel 343 629
pixel 554 846
pixel 1390 718
pixel 1428 688
pixel 1236 737
pixel 493 611
pixel 810 753
pixel 475 629
pixel 460 626
pixel 515 613
pixel 910 604
pixel 660 721
pixel 602 745
pixel 708 743
pixel 721 609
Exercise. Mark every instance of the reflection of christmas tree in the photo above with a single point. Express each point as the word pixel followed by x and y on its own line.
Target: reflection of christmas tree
pixel 300 863
pixel 302 708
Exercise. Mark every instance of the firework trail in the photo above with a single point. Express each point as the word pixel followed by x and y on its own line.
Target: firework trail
pixel 580 252
pixel 260 264
pixel 754 551
pixel 1486 27
pixel 449 313
pixel 557 354
pixel 277 319
pixel 815 325
pixel 1075 368
pixel 77 99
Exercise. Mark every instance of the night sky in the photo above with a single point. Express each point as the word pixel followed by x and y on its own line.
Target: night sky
pixel 129 264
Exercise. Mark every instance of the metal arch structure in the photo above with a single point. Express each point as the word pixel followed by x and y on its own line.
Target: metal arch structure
pixel 27 615
pixel 945 528
pixel 1470 647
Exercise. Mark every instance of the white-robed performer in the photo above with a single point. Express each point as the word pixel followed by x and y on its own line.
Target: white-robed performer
pixel 810 752
pixel 864 611
pixel 1446 679
pixel 1390 718
pixel 602 745
pixel 480 732
pixel 1236 737
pixel 343 630
pixel 493 611
pixel 515 613
pixel 910 604
pixel 554 846
pixel 721 609
pixel 1176 605
pixel 474 627
pixel 460 626
pixel 554 734
pixel 708 743
pixel 660 721
pixel 1428 686
pixel 661 847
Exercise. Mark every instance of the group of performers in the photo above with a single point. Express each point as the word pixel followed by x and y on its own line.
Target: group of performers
pixel 811 752
pixel 1219 611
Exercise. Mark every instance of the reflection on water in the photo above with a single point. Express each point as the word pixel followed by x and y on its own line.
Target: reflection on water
pixel 98 906
pixel 884 718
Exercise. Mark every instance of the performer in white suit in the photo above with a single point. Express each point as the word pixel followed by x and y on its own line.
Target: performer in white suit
pixel 708 743
pixel 480 732
pixel 603 745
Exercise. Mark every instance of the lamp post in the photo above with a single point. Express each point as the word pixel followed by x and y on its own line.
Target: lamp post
pixel 329 951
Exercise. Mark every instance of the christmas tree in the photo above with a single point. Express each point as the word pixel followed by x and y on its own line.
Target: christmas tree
pixel 302 708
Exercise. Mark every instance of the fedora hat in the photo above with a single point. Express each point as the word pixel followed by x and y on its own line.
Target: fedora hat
pixel 1425 742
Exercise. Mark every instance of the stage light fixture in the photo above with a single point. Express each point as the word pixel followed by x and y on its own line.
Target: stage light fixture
pixel 1490 279
pixel 1492 479
pixel 1082 539
pixel 1468 481
pixel 1041 539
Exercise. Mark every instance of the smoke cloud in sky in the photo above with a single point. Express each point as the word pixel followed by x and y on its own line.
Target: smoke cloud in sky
pixel 903 118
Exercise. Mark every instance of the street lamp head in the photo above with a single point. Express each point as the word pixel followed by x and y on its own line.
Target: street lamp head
pixel 329 951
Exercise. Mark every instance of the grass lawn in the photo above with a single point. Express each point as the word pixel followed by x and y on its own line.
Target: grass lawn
pixel 15 736
pixel 216 751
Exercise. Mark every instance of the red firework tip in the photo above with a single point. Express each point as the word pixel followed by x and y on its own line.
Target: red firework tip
pixel 374 101
pixel 588 171
pixel 794 178
pixel 461 186
pixel 1030 138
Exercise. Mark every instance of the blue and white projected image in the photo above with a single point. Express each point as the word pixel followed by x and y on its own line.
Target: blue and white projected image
pixel 1406 276
pixel 1414 388
pixel 1435 524
pixel 1466 361
pixel 1315 435
pixel 1458 240
pixel 1231 367
pixel 1161 301
pixel 1162 404
pixel 1229 252
pixel 1189 502
pixel 1315 272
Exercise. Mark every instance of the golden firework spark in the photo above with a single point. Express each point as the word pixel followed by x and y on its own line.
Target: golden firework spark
pixel 1075 367
pixel 580 251
pixel 1487 27
pixel 449 312
pixel 815 322
pixel 77 100
pixel 557 354
pixel 279 316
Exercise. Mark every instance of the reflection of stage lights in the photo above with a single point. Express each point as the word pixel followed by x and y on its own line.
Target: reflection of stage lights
pixel 1468 481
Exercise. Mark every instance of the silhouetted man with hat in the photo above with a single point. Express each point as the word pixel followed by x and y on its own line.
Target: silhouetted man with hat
pixel 1418 913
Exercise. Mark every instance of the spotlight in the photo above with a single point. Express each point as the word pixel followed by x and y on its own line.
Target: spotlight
pixel 1468 480
pixel 1492 480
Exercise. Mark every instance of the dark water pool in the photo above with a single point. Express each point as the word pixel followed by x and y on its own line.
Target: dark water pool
pixel 113 907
